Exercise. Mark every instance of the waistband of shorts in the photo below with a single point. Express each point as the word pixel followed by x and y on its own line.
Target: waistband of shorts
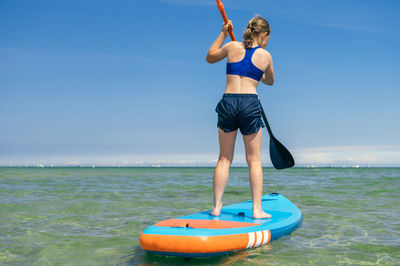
pixel 241 95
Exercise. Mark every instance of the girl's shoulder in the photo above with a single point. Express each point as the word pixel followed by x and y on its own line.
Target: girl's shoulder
pixel 264 53
pixel 234 45
pixel 237 46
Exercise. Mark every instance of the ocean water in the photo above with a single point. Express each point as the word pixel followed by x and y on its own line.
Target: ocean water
pixel 94 216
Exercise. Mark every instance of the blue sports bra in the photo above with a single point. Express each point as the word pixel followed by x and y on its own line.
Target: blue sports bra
pixel 245 67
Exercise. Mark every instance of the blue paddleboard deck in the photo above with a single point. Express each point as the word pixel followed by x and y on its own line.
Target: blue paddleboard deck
pixel 200 234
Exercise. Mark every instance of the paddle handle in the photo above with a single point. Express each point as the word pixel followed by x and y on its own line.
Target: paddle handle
pixel 225 18
pixel 266 122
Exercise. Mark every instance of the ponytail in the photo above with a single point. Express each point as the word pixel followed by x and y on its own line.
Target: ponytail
pixel 255 26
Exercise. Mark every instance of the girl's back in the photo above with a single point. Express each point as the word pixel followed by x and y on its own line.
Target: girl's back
pixel 261 60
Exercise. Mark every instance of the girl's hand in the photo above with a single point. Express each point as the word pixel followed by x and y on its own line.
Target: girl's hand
pixel 226 27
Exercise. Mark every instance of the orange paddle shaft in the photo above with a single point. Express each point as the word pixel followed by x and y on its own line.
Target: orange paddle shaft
pixel 225 18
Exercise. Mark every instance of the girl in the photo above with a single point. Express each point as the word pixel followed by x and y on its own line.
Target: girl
pixel 240 107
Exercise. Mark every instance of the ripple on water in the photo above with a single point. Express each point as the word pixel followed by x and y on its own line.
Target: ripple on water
pixel 70 215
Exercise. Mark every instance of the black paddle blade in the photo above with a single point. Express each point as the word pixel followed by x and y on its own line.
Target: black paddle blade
pixel 280 156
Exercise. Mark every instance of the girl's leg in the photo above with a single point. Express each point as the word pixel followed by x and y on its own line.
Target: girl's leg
pixel 221 173
pixel 252 144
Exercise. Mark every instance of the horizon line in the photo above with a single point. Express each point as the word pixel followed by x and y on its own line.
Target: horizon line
pixel 355 166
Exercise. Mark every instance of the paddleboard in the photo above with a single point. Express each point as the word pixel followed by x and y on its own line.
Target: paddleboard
pixel 203 235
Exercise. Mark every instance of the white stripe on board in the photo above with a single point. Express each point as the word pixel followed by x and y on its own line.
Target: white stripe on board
pixel 251 240
pixel 259 238
pixel 266 236
pixel 255 238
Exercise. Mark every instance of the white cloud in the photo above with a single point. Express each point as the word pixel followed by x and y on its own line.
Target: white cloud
pixel 320 156
pixel 336 155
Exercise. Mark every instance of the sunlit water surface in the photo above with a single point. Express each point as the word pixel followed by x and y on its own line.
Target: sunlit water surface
pixel 94 216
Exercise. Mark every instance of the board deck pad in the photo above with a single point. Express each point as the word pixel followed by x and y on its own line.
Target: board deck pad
pixel 201 235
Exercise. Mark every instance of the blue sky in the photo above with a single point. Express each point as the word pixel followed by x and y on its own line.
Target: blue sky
pixel 126 82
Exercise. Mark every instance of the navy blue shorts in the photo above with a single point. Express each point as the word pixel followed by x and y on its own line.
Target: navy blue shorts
pixel 241 111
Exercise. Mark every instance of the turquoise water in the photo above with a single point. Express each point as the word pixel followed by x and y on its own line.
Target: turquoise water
pixel 94 216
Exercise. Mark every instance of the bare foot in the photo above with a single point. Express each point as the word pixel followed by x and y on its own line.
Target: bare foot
pixel 216 210
pixel 260 214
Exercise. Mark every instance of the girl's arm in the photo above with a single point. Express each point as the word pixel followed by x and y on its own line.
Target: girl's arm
pixel 216 53
pixel 269 77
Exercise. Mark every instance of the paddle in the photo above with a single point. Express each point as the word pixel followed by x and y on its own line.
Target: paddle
pixel 280 156
pixel 225 18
